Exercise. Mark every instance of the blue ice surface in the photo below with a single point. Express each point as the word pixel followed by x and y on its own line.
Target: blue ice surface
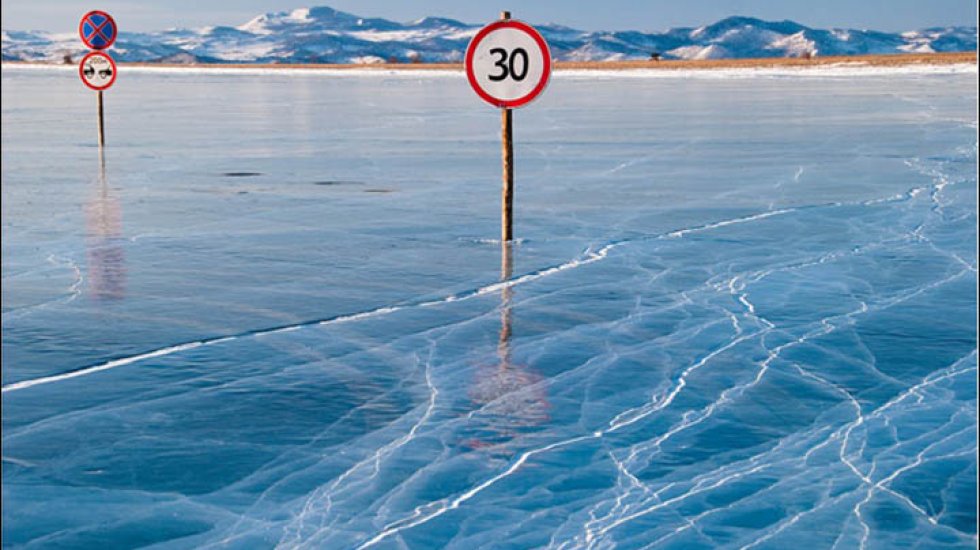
pixel 741 313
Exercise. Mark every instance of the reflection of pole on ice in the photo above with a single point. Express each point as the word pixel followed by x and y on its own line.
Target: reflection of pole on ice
pixel 106 256
pixel 512 395
pixel 506 270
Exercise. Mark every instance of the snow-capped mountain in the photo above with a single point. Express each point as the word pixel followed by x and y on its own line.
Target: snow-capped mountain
pixel 325 35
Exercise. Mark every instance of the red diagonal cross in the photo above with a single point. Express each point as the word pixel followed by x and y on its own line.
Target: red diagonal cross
pixel 98 29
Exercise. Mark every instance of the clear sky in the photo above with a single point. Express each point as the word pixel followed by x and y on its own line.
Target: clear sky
pixel 643 15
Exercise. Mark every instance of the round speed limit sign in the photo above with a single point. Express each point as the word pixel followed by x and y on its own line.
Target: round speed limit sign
pixel 508 63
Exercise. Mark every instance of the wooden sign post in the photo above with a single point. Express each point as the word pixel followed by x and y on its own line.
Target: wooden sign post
pixel 97 70
pixel 507 141
pixel 101 122
pixel 508 65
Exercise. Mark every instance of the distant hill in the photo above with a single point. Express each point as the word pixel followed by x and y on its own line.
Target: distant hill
pixel 325 35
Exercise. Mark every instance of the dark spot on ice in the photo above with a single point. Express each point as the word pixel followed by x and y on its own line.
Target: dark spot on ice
pixel 338 182
pixel 379 190
pixel 241 174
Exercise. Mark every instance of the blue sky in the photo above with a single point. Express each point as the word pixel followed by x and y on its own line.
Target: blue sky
pixel 645 15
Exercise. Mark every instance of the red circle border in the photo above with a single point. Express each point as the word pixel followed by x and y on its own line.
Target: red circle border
pixel 530 31
pixel 111 63
pixel 108 17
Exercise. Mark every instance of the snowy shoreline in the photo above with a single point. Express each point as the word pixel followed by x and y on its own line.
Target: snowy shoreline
pixel 845 69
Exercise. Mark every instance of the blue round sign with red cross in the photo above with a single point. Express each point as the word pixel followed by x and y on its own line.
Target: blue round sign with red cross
pixel 97 29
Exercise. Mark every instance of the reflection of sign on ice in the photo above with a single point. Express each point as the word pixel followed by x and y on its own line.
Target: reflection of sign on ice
pixel 513 397
pixel 98 70
pixel 106 256
pixel 515 401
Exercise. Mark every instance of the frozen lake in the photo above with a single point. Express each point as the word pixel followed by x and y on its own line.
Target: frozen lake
pixel 741 313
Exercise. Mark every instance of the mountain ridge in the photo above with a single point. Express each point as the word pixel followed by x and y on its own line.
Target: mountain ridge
pixel 323 34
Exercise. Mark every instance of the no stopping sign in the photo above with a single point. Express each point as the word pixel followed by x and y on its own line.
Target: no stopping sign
pixel 508 63
pixel 97 29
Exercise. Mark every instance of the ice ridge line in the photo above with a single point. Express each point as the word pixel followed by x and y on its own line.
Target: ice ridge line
pixel 587 257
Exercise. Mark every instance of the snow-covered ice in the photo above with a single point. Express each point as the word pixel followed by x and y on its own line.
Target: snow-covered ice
pixel 741 313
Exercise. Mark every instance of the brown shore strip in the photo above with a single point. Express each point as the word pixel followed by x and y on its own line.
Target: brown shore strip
pixel 889 60
pixel 767 62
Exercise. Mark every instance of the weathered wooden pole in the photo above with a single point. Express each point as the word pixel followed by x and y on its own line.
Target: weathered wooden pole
pixel 101 123
pixel 500 81
pixel 507 196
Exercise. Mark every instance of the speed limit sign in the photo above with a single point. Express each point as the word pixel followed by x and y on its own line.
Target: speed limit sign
pixel 508 63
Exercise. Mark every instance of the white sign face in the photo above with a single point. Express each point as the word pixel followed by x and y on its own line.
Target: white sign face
pixel 98 71
pixel 508 63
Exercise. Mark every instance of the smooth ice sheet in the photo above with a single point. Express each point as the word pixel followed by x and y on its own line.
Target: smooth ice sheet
pixel 740 313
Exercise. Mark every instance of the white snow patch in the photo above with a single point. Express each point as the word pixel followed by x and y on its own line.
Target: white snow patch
pixel 367 60
pixel 794 45
pixel 713 51
pixel 591 52
pixel 917 48
pixel 839 70
pixel 299 14
pixel 394 36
